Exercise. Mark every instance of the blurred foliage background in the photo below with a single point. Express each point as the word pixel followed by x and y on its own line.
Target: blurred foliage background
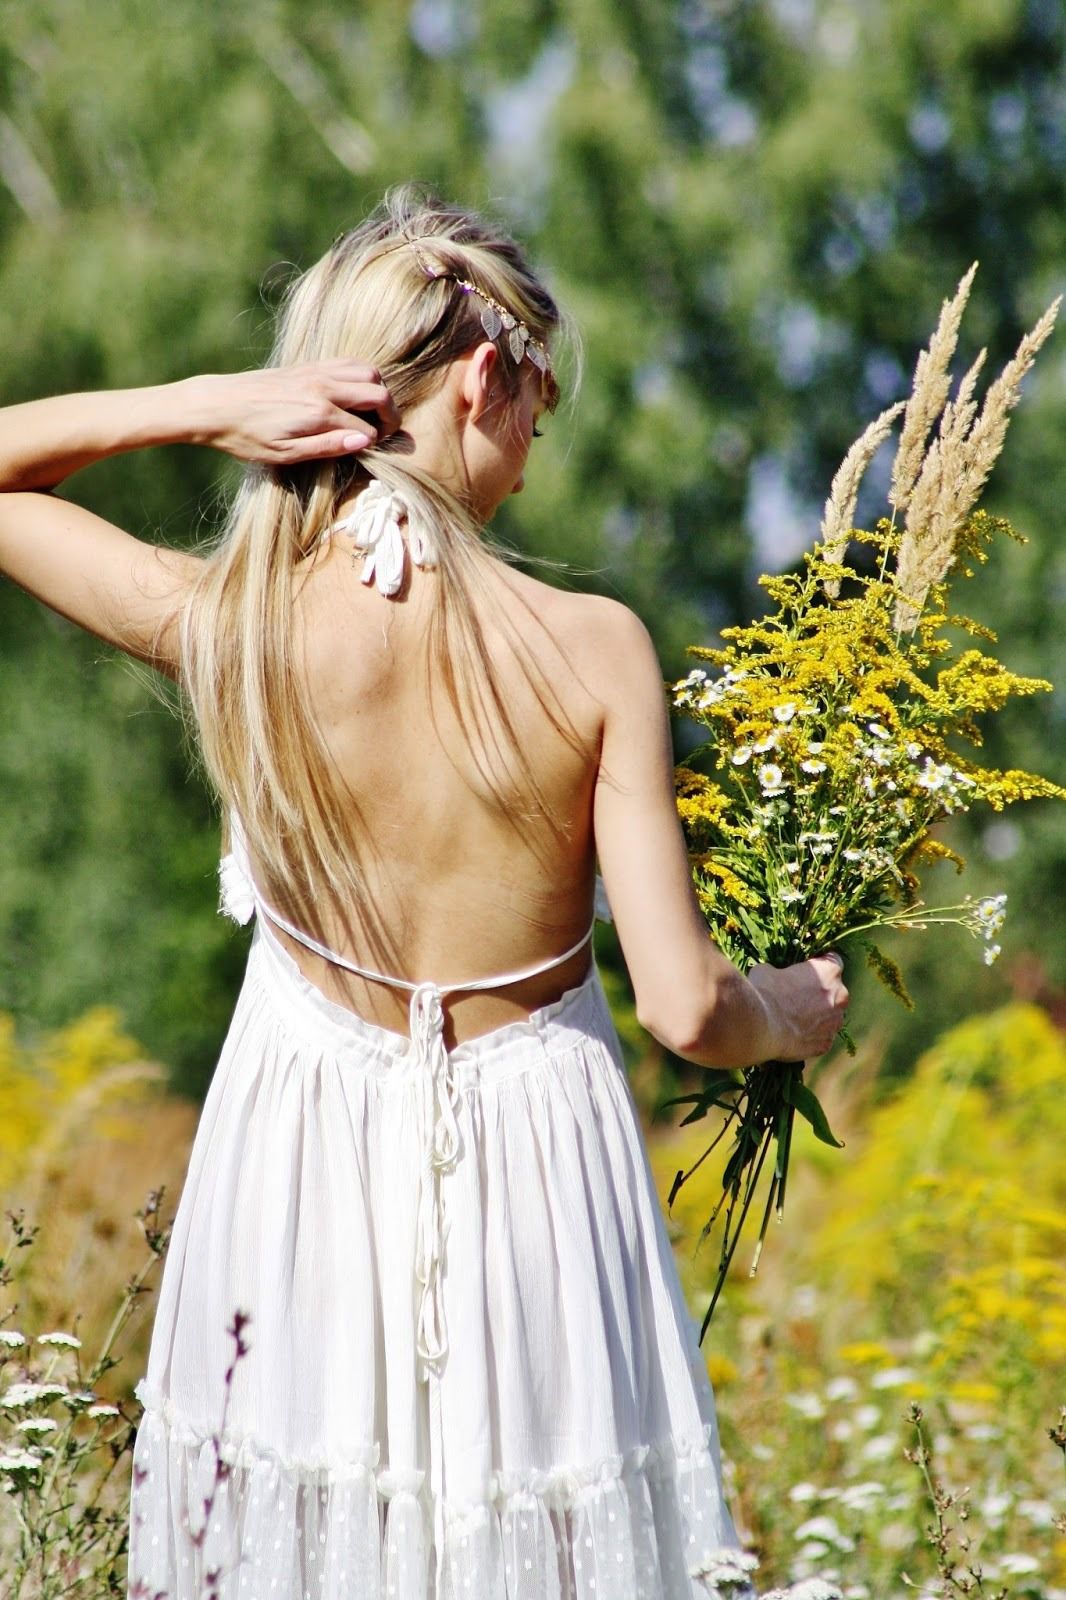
pixel 752 207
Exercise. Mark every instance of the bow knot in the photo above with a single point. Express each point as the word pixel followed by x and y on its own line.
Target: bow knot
pixel 376 525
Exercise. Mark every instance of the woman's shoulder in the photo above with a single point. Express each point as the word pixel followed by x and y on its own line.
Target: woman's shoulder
pixel 590 624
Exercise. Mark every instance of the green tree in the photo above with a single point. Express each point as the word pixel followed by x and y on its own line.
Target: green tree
pixel 752 209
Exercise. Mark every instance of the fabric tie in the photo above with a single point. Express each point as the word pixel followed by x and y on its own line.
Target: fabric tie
pixel 439 1098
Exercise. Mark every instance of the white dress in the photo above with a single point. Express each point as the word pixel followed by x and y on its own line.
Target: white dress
pixel 472 1374
pixel 495 1395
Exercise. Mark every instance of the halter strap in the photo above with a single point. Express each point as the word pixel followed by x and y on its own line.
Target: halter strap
pixel 502 981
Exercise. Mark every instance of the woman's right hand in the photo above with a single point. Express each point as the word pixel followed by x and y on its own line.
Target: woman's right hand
pixel 278 416
pixel 807 1005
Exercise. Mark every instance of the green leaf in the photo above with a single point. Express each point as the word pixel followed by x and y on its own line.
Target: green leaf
pixel 809 1107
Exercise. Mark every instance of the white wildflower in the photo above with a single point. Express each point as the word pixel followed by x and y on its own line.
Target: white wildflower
pixel 841 1431
pixel 868 1416
pixel 891 1378
pixel 741 754
pixel 808 1405
pixel 36 1425
pixel 102 1410
pixel 791 866
pixel 785 713
pixel 815 746
pixel 812 766
pixel 727 1566
pixel 66 1340
pixel 789 897
pixel 27 1394
pixel 1017 1565
pixel 770 778
pixel 994 1507
pixel 914 751
pixel 933 777
pixel 991 912
pixel 11 1339
pixel 992 953
pixel 1040 1513
pixel 878 731
pixel 802 1493
pixel 895 1536
pixel 824 1528
pixel 83 1397
pixel 806 1589
pixel 983 1432
pixel 882 1447
pixel 19 1461
pixel 842 1388
pixel 761 746
pixel 855 855
pixel 860 1496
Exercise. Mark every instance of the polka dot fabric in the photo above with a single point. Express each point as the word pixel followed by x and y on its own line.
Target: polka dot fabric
pixel 564 1448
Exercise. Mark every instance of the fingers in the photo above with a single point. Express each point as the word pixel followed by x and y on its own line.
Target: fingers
pixel 353 386
pixel 324 446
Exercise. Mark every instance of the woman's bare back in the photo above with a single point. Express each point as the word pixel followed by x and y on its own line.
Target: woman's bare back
pixel 466 888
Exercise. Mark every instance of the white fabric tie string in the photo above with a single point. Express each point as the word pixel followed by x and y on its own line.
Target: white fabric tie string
pixel 441 1145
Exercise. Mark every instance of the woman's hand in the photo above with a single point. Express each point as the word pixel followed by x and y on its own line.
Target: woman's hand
pixel 807 1004
pixel 281 415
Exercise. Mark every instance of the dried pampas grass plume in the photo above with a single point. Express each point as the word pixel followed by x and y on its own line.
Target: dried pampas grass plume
pixel 954 471
pixel 929 393
pixel 839 516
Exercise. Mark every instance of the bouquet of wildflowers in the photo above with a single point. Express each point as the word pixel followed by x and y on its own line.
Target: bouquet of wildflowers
pixel 837 727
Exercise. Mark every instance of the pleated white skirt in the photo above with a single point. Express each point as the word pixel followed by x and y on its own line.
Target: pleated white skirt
pixel 567 1450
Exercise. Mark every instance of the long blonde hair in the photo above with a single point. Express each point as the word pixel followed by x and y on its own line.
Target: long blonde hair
pixel 373 296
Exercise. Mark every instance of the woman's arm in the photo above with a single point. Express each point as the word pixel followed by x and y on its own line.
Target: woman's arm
pixel 687 993
pixel 121 588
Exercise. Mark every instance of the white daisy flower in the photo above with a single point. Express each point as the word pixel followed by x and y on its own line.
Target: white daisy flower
pixel 741 754
pixel 812 766
pixel 770 778
pixel 785 713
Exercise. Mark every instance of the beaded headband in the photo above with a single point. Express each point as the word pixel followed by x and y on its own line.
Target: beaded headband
pixel 496 320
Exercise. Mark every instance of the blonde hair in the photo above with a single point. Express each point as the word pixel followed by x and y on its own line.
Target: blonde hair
pixel 386 293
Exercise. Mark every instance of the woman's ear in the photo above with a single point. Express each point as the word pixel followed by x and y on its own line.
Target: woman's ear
pixel 479 379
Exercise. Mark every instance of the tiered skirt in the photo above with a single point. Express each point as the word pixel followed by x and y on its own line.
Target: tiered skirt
pixel 566 1449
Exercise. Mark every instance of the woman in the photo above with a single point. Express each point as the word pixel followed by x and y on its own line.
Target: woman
pixel 418 1168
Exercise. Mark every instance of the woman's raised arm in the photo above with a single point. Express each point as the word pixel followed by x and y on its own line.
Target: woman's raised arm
pixel 687 993
pixel 124 589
